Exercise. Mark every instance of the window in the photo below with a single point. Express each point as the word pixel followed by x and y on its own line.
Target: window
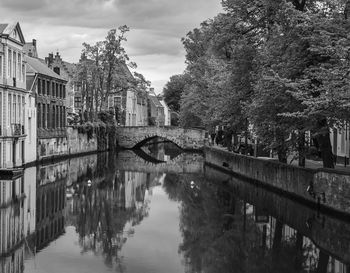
pixel 39 116
pixel 48 121
pixel 0 66
pixel 19 66
pixel 56 70
pixel 9 63
pixel 44 116
pixel 39 86
pixel 1 128
pixel 10 108
pixel 23 73
pixel 77 102
pixel 53 117
pixel 48 87
pixel 44 87
pixel 14 65
pixel 118 102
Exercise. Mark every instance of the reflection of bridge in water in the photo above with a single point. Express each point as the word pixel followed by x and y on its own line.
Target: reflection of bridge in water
pixel 183 163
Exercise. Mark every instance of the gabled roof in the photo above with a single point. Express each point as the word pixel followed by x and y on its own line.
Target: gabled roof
pixel 7 29
pixel 2 27
pixel 123 68
pixel 35 65
pixel 155 101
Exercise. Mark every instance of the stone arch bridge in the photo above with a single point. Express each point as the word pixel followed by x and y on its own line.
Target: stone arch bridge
pixel 136 136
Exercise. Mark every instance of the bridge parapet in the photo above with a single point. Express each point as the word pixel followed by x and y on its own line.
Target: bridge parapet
pixel 185 138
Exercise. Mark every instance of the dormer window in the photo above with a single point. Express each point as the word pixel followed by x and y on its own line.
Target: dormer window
pixel 14 34
pixel 57 70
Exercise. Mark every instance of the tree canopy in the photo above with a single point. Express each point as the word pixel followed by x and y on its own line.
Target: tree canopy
pixel 280 67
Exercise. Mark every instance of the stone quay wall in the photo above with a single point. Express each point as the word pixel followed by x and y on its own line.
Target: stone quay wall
pixel 76 142
pixel 328 188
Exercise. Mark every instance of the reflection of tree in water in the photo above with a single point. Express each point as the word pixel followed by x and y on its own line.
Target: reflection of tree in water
pixel 101 218
pixel 220 236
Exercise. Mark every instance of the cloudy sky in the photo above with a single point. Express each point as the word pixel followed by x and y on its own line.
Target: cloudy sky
pixel 154 40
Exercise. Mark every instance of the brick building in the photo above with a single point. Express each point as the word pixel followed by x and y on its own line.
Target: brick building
pixel 66 71
pixel 50 90
pixel 129 105
pixel 156 111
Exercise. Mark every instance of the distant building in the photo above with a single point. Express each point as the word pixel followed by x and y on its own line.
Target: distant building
pixel 167 111
pixel 50 90
pixel 129 107
pixel 155 111
pixel 66 71
pixel 13 97
pixel 30 49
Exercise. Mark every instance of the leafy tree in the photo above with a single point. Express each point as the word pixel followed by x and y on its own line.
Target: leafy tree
pixel 102 70
pixel 174 89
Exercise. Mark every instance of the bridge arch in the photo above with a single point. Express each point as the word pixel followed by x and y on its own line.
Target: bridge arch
pixel 143 140
pixel 135 136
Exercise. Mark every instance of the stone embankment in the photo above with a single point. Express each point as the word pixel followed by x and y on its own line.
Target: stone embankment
pixel 79 140
pixel 329 189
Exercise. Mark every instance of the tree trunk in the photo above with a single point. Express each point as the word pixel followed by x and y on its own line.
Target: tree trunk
pixel 325 146
pixel 301 148
pixel 322 262
pixel 281 149
pixel 282 155
pixel 277 239
pixel 298 263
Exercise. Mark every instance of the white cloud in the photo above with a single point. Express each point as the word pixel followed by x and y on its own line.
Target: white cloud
pixel 154 41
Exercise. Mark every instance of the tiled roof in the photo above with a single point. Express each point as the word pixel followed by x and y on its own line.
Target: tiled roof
pixel 155 101
pixel 36 65
pixel 123 68
pixel 3 27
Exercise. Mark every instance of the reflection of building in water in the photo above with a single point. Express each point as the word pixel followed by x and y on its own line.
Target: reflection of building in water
pixel 135 188
pixel 30 200
pixel 13 263
pixel 11 224
pixel 50 203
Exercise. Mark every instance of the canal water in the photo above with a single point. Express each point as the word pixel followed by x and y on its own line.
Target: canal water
pixel 155 211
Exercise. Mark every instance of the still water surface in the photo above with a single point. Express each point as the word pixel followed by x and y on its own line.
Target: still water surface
pixel 160 211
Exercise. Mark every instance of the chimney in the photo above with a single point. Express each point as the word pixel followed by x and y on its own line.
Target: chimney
pixel 49 60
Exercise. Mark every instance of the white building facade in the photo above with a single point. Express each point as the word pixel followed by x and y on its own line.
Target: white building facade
pixel 167 113
pixel 13 96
